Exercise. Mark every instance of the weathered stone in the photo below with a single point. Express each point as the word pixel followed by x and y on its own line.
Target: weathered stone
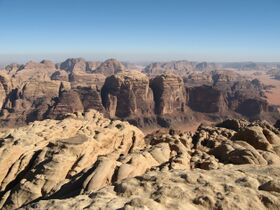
pixel 127 94
pixel 169 94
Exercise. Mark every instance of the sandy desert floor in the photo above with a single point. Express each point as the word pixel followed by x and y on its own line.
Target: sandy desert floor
pixel 273 95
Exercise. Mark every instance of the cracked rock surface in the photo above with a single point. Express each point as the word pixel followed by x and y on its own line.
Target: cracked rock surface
pixel 85 161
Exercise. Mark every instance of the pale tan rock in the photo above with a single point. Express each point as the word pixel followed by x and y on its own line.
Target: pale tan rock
pixel 254 136
pixel 86 161
pixel 228 188
pixel 56 152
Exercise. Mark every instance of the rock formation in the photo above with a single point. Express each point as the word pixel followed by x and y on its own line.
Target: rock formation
pixel 73 65
pixel 29 102
pixel 206 99
pixel 85 161
pixel 68 102
pixel 110 67
pixel 84 79
pixel 34 71
pixel 182 68
pixel 60 75
pixel 157 99
pixel 5 87
pixel 127 94
pixel 52 157
pixel 169 94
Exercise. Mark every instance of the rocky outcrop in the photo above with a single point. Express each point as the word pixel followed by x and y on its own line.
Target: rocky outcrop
pixel 5 87
pixel 73 65
pixel 127 94
pixel 90 98
pixel 169 94
pixel 34 71
pixel 182 68
pixel 229 94
pixel 51 158
pixel 60 75
pixel 85 161
pixel 240 142
pixel 224 189
pixel 84 79
pixel 110 67
pixel 206 99
pixel 68 102
pixel 29 102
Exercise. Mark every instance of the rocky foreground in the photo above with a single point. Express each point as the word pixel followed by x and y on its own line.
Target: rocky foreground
pixel 85 161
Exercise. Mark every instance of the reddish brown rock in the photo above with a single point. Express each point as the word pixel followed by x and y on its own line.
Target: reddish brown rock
pixel 91 98
pixel 206 99
pixel 67 102
pixel 127 94
pixel 169 94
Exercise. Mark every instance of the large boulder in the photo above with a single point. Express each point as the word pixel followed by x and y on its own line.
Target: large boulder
pixel 254 135
pixel 240 142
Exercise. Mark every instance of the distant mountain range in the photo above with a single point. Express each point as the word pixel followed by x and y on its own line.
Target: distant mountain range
pixel 181 67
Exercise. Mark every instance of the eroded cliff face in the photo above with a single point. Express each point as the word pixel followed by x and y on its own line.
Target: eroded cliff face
pixel 5 87
pixel 206 99
pixel 37 91
pixel 127 94
pixel 85 161
pixel 169 94
pixel 110 67
pixel 29 102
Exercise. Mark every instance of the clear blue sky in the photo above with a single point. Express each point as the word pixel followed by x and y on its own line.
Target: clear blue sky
pixel 139 30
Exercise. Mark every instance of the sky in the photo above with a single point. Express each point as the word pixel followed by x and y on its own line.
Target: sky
pixel 140 30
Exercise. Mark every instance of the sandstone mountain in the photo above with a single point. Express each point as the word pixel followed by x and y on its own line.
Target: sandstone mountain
pixel 85 161
pixel 181 68
pixel 37 91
